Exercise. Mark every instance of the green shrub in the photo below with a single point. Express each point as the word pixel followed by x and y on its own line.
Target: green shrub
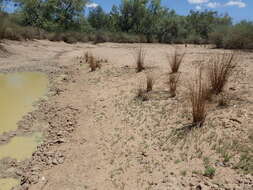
pixel 13 31
pixel 239 36
pixel 209 171
pixel 217 36
pixel 194 39
pixel 69 37
pixel 101 37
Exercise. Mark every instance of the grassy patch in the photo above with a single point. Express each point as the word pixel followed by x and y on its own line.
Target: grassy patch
pixel 209 171
pixel 220 68
pixel 175 61
pixel 198 93
pixel 173 83
pixel 140 59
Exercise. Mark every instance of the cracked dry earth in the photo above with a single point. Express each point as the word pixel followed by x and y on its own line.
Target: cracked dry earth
pixel 120 142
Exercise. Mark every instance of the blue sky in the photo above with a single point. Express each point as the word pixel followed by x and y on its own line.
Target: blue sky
pixel 237 9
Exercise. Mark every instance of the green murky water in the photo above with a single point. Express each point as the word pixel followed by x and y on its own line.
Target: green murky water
pixel 20 148
pixel 18 92
pixel 8 183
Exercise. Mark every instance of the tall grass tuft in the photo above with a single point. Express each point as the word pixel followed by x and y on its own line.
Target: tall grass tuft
pixel 175 61
pixel 93 63
pixel 219 69
pixel 86 56
pixel 198 92
pixel 150 82
pixel 173 83
pixel 140 58
pixel 141 94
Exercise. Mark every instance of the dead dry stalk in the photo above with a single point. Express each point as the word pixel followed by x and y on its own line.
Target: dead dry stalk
pixel 140 58
pixel 86 56
pixel 173 83
pixel 175 61
pixel 150 82
pixel 142 94
pixel 198 92
pixel 93 63
pixel 219 69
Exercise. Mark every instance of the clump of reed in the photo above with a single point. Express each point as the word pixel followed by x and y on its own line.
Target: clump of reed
pixel 150 82
pixel 198 92
pixel 140 59
pixel 175 61
pixel 173 83
pixel 219 69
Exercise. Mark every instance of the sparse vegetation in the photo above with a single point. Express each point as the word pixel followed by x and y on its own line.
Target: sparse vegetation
pixel 140 59
pixel 220 68
pixel 155 125
pixel 141 94
pixel 223 100
pixel 175 61
pixel 209 171
pixel 238 36
pixel 155 23
pixel 94 64
pixel 150 82
pixel 183 173
pixel 86 56
pixel 246 162
pixel 226 157
pixel 198 93
pixel 173 83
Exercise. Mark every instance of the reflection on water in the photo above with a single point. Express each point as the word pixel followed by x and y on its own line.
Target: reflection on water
pixel 20 148
pixel 18 92
pixel 8 183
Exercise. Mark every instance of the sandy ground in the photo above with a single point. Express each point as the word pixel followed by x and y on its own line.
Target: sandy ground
pixel 99 136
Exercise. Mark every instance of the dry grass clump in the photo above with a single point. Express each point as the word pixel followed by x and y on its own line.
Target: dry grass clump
pixel 142 94
pixel 219 69
pixel 86 56
pixel 94 64
pixel 198 93
pixel 175 61
pixel 223 100
pixel 140 58
pixel 150 82
pixel 173 83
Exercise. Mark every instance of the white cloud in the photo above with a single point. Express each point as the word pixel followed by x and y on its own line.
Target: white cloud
pixel 213 5
pixel 197 1
pixel 198 7
pixel 92 5
pixel 238 3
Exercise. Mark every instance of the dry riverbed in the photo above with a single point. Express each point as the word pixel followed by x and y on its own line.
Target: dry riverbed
pixel 97 135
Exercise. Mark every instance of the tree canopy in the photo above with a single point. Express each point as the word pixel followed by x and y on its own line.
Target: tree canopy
pixel 130 21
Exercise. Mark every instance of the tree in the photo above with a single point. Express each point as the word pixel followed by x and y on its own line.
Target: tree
pixel 202 23
pixel 98 19
pixel 65 14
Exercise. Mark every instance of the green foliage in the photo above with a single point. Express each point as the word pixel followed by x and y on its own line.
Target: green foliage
pixel 239 36
pixel 209 171
pixel 202 23
pixel 52 14
pixel 13 31
pixel 119 37
pixel 130 21
pixel 69 37
pixel 98 19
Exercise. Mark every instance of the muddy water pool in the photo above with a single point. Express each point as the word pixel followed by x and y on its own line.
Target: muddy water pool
pixel 18 93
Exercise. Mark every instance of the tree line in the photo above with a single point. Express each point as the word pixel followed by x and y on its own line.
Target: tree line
pixel 130 21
